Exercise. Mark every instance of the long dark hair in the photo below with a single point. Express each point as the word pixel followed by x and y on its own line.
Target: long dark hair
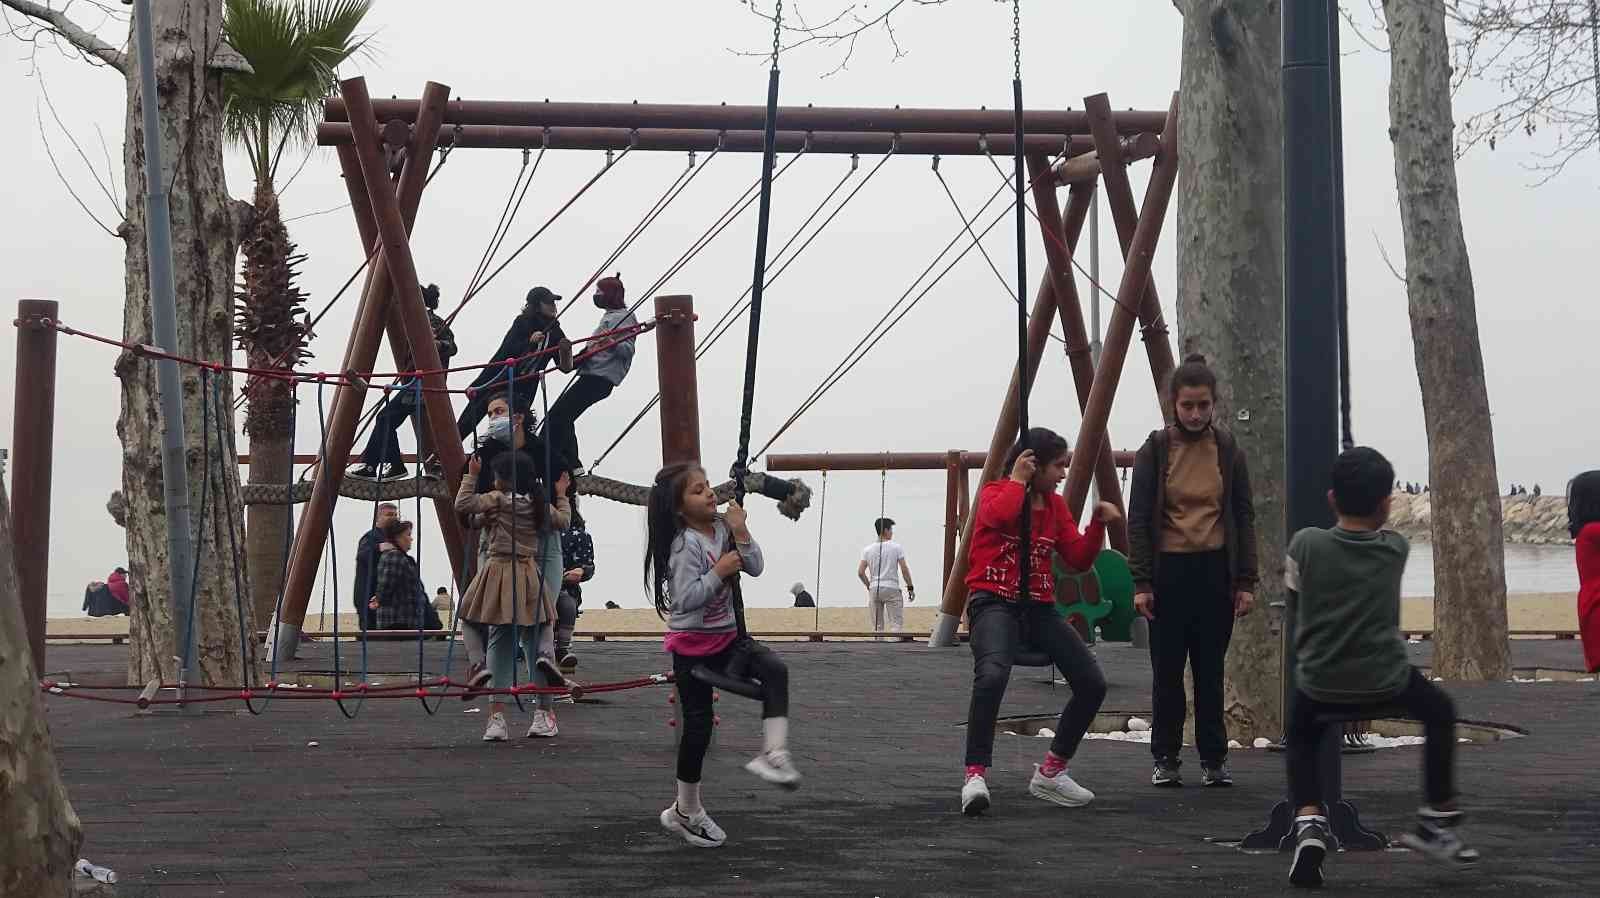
pixel 1583 501
pixel 1194 372
pixel 664 518
pixel 517 473
pixel 1047 446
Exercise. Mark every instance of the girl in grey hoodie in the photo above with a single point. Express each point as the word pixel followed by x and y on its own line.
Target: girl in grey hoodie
pixel 691 567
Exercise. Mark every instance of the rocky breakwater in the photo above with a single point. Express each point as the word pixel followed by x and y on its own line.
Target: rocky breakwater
pixel 1531 521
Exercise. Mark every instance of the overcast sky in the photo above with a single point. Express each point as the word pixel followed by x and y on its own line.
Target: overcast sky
pixel 933 384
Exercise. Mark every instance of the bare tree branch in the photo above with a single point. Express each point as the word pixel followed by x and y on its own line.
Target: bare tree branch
pixel 56 22
pixel 39 116
pixel 843 29
pixel 116 207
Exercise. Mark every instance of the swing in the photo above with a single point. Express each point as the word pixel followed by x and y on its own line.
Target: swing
pixel 731 678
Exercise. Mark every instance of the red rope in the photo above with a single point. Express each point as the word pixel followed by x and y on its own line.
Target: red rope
pixel 363 690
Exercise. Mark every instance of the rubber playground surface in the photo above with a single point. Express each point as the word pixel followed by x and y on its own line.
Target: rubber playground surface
pixel 302 802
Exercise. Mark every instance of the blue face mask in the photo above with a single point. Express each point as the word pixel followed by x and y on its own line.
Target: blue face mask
pixel 500 429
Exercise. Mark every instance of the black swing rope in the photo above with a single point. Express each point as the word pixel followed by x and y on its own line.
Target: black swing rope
pixel 1025 555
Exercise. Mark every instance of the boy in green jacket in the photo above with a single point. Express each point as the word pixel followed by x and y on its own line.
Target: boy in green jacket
pixel 1349 657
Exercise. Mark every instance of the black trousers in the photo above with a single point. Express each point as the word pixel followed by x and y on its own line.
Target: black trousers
pixel 997 627
pixel 383 445
pixel 1192 627
pixel 1421 700
pixel 745 658
pixel 561 424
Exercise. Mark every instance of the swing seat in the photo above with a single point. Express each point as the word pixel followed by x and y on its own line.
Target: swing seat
pixel 716 679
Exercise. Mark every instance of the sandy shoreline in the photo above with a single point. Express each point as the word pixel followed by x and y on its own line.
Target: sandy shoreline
pixel 1527 611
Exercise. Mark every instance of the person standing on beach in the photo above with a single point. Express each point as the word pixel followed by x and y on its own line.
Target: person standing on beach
pixel 1191 526
pixel 882 565
pixel 367 562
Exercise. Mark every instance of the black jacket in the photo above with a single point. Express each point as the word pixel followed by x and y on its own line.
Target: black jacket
pixel 1147 501
pixel 366 567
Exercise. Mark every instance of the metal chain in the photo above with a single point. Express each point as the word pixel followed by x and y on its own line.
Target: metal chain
pixel 777 32
pixel 1016 39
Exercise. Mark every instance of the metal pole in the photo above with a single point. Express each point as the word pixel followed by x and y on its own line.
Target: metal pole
pixel 164 323
pixel 675 374
pixel 1095 346
pixel 1310 344
pixel 32 438
pixel 895 461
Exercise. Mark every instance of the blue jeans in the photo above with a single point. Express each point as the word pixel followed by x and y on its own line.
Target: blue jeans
pixel 536 640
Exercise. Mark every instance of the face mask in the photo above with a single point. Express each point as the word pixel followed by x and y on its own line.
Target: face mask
pixel 500 428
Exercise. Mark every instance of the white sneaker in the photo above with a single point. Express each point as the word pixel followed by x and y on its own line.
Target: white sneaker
pixel 974 796
pixel 1060 789
pixel 544 725
pixel 776 768
pixel 698 830
pixel 496 730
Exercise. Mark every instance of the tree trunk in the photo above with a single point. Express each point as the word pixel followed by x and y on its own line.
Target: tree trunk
pixel 270 326
pixel 267 526
pixel 1230 291
pixel 203 245
pixel 39 841
pixel 1470 636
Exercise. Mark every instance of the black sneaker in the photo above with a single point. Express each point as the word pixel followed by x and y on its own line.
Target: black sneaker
pixel 1165 774
pixel 363 472
pixel 567 660
pixel 1215 774
pixel 394 472
pixel 1436 840
pixel 1311 840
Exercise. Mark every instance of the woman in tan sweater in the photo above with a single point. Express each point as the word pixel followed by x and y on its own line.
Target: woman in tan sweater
pixel 1191 526
pixel 513 596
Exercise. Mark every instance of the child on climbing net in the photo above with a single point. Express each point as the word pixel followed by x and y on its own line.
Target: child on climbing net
pixel 999 618
pixel 513 595
pixel 693 557
pixel 1349 657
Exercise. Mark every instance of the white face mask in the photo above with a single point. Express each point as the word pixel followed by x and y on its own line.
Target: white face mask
pixel 500 429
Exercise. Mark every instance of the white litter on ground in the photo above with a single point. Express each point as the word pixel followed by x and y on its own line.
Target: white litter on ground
pixel 312 744
pixel 1136 736
pixel 1234 743
pixel 472 711
pixel 1261 742
pixel 1138 724
pixel 1046 733
pixel 1377 741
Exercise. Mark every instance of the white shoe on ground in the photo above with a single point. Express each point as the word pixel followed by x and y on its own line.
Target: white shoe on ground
pixel 698 830
pixel 776 768
pixel 974 796
pixel 544 725
pixel 1059 789
pixel 496 730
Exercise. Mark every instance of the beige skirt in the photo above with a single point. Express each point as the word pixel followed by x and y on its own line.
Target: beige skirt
pixel 507 592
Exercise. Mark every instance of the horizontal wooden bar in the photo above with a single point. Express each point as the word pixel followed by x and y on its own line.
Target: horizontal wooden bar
pixel 722 117
pixel 706 140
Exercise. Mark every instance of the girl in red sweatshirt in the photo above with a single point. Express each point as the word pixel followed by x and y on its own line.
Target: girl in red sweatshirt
pixel 1583 520
pixel 998 617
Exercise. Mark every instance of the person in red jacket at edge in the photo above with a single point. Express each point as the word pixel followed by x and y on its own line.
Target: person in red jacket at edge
pixel 1000 621
pixel 1583 522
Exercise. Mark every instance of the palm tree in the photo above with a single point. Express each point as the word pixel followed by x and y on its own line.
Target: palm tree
pixel 294 49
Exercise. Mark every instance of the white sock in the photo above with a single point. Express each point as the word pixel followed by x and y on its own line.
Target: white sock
pixel 775 734
pixel 689 798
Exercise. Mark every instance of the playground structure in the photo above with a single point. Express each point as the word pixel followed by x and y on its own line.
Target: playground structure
pixel 386 148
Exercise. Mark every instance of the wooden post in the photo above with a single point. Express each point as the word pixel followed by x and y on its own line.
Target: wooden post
pixel 32 452
pixel 360 355
pixel 680 395
pixel 1135 277
pixel 955 474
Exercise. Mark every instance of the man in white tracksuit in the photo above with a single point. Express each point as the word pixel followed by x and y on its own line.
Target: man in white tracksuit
pixel 882 565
